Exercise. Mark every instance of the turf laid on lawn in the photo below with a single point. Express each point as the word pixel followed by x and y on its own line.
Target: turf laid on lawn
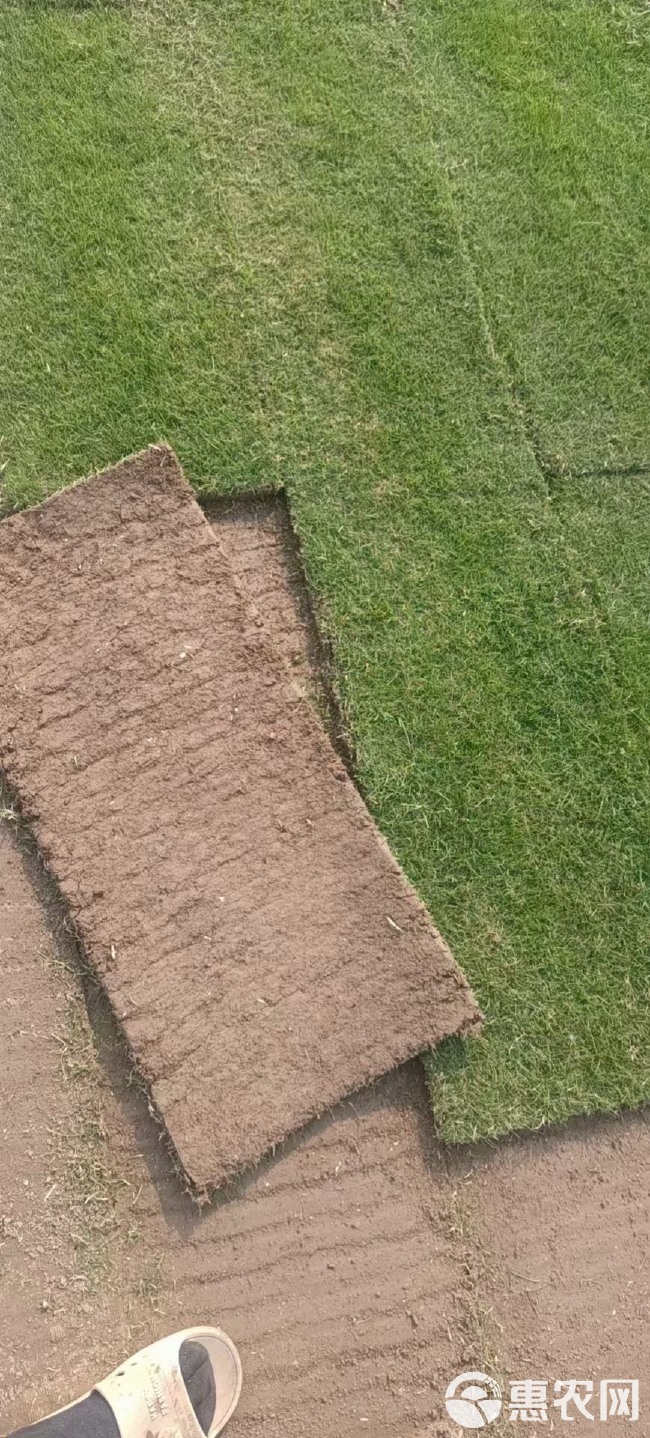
pixel 544 110
pixel 233 226
pixel 101 264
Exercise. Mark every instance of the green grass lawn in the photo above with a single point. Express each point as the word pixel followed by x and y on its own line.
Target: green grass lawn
pixel 544 109
pixel 392 259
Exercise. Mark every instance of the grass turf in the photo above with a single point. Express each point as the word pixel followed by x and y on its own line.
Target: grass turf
pixel 544 117
pixel 242 228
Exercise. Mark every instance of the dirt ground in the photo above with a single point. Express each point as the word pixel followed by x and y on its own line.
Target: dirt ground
pixel 359 1270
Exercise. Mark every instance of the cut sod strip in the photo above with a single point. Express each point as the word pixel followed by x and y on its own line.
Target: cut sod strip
pixel 541 109
pixel 261 947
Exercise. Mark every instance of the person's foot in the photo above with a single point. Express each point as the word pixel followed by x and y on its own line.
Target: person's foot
pixel 92 1417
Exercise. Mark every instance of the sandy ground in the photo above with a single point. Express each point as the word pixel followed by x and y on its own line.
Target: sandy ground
pixel 359 1270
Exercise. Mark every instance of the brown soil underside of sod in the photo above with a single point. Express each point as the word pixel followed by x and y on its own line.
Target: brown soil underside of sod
pixel 261 947
pixel 359 1270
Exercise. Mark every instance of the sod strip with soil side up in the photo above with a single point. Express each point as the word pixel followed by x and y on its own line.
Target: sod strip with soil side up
pixel 260 945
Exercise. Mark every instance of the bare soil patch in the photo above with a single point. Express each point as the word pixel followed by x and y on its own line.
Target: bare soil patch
pixel 260 945
pixel 37 1257
pixel 60 1198
pixel 560 1227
